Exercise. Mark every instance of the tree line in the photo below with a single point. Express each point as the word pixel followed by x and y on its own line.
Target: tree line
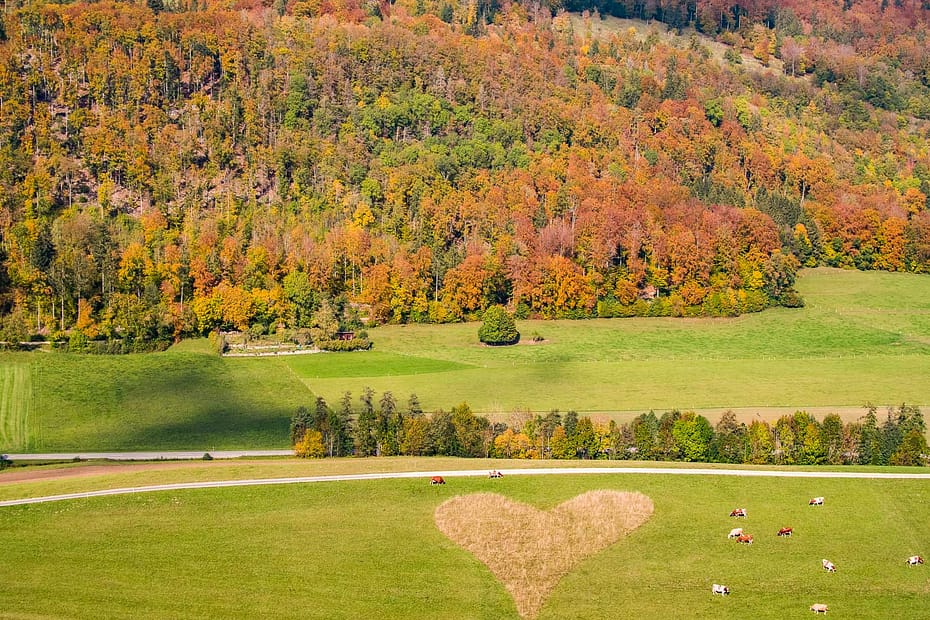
pixel 387 428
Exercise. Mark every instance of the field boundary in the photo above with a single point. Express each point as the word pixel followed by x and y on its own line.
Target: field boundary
pixel 556 471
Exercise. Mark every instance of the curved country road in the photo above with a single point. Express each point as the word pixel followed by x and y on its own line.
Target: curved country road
pixel 473 472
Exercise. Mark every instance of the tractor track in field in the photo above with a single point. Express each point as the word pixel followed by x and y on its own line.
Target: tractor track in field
pixel 426 475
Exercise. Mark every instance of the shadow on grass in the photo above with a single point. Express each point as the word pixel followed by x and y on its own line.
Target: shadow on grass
pixel 179 401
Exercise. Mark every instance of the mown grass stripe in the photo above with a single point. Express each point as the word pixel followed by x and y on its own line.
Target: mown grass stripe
pixel 15 408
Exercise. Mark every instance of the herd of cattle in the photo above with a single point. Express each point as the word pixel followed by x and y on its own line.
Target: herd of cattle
pixel 830 567
pixel 746 539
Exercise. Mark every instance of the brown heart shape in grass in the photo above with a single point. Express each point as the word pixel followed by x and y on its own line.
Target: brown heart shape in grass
pixel 528 549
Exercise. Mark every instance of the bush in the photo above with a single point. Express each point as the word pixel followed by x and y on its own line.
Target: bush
pixel 721 303
pixel 310 446
pixel 611 308
pixel 207 456
pixel 498 327
pixel 792 299
pixel 5 461
pixel 301 337
pixel 355 344
pixel 218 342
pixel 661 306
pixel 77 342
pixel 754 301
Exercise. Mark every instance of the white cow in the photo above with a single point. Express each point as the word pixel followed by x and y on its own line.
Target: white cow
pixel 828 566
pixel 736 531
pixel 721 590
pixel 819 608
pixel 914 560
pixel 816 501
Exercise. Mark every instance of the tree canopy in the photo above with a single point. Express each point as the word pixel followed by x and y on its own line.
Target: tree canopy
pixel 498 327
pixel 173 167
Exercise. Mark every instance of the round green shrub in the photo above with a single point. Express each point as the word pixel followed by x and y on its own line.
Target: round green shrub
pixel 792 299
pixel 498 327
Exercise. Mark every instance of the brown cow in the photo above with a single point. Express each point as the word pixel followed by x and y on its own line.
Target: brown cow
pixel 744 538
pixel 738 512
pixel 785 531
pixel 437 480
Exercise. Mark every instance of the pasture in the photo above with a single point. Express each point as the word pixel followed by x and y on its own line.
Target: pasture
pixel 372 549
pixel 863 337
pixel 183 398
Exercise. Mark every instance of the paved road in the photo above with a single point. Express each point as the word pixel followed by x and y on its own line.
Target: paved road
pixel 473 472
pixel 147 456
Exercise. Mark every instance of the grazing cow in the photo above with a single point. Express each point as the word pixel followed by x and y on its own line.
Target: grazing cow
pixel 744 538
pixel 828 566
pixel 437 480
pixel 914 560
pixel 495 474
pixel 785 531
pixel 736 531
pixel 819 608
pixel 738 512
pixel 721 590
pixel 815 501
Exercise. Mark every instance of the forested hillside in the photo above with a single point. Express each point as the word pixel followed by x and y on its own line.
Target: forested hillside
pixel 177 166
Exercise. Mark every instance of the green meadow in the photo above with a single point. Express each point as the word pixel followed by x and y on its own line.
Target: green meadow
pixel 862 338
pixel 186 398
pixel 370 549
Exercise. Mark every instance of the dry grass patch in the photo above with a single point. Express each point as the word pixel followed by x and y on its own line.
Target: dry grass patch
pixel 528 549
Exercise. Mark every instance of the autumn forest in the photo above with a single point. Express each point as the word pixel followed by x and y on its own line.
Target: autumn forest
pixel 173 167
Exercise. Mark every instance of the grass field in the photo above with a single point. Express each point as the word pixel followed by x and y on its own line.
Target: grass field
pixel 371 549
pixel 177 399
pixel 862 338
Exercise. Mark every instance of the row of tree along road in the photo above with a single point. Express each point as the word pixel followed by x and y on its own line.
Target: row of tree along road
pixel 385 427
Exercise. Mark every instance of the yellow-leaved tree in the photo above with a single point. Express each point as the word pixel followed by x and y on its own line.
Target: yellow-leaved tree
pixel 310 446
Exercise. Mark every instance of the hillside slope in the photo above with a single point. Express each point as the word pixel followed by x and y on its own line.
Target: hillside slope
pixel 171 168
